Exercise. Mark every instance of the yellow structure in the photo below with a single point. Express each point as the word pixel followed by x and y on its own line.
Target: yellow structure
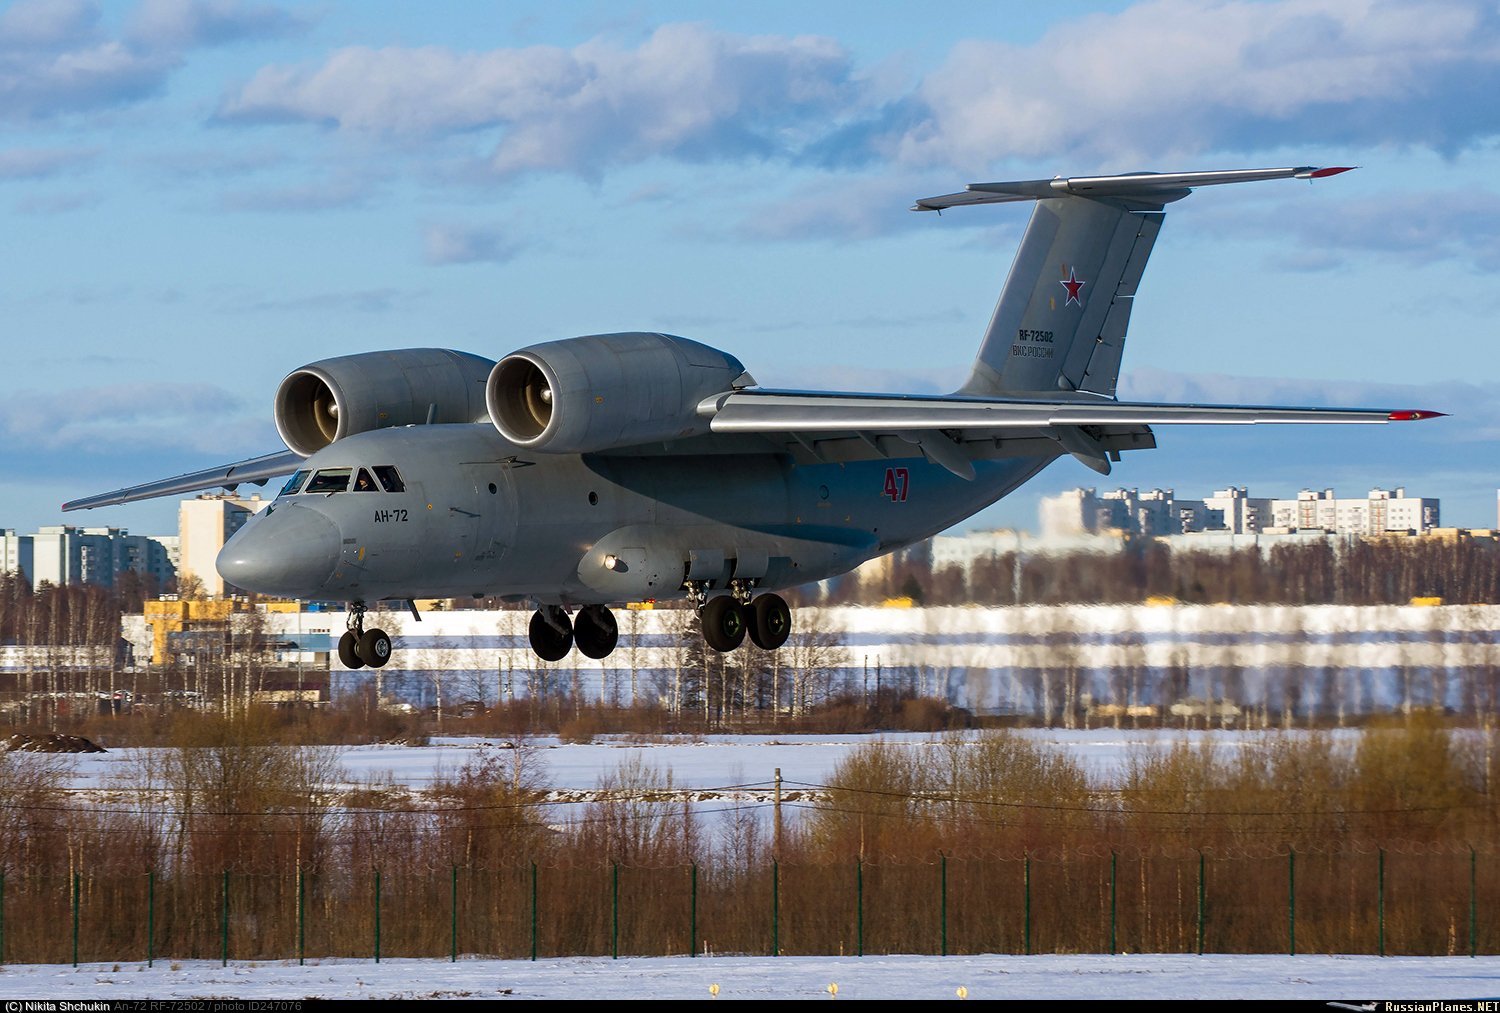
pixel 173 615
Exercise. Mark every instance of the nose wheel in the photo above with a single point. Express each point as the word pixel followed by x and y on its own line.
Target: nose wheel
pixel 358 646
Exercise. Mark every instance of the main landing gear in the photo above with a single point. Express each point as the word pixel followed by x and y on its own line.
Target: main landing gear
pixel 553 634
pixel 728 619
pixel 358 646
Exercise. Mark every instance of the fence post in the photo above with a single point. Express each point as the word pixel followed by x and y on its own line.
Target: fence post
pixel 1113 859
pixel 693 913
pixel 614 906
pixel 1473 905
pixel 775 908
pixel 859 904
pixel 75 919
pixel 943 904
pixel 150 917
pixel 301 918
pixel 1201 898
pixel 1380 896
pixel 453 930
pixel 533 911
pixel 1026 880
pixel 1291 901
pixel 224 941
pixel 377 916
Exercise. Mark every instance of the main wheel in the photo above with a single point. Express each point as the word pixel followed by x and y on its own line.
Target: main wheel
pixel 547 642
pixel 349 650
pixel 723 624
pixel 771 623
pixel 374 648
pixel 595 631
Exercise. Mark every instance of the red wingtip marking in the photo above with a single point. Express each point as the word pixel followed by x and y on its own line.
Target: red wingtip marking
pixel 1414 415
pixel 1332 170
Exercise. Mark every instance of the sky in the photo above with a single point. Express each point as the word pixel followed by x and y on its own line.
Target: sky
pixel 199 196
pixel 714 762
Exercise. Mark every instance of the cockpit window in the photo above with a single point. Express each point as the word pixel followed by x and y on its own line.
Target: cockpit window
pixel 330 480
pixel 389 480
pixel 363 482
pixel 295 483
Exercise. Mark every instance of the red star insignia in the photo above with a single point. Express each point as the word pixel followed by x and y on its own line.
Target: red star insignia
pixel 1074 287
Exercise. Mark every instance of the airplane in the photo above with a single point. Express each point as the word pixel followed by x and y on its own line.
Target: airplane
pixel 579 474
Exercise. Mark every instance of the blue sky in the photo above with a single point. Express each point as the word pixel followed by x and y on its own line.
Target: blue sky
pixel 198 196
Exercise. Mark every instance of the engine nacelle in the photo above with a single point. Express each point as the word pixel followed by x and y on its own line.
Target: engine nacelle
pixel 334 398
pixel 593 393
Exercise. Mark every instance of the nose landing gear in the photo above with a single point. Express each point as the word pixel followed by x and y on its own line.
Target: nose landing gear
pixel 358 646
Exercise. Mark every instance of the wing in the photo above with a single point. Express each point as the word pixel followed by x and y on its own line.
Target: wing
pixel 954 431
pixel 256 471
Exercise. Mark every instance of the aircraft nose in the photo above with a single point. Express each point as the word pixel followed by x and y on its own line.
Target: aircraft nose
pixel 290 553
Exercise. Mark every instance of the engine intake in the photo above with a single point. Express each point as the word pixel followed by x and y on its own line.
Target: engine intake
pixel 601 391
pixel 334 398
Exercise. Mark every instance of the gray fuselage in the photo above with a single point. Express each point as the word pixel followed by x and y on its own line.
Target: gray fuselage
pixel 479 516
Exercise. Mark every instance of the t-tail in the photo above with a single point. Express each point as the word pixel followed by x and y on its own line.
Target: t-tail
pixel 1060 324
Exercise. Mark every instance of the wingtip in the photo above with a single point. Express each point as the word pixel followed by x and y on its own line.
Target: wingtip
pixel 1414 415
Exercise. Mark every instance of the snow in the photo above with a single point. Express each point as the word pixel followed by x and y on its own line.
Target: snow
pixel 1088 976
pixel 709 761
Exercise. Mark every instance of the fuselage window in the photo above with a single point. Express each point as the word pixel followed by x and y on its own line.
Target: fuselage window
pixel 329 480
pixel 364 483
pixel 389 480
pixel 295 483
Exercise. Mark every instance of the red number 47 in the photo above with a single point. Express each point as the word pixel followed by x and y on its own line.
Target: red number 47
pixel 897 483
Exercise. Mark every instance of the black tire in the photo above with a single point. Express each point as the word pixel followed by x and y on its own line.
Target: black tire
pixel 724 624
pixel 595 631
pixel 349 651
pixel 546 642
pixel 771 623
pixel 374 648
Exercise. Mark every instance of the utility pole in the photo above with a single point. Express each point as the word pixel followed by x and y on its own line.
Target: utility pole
pixel 777 810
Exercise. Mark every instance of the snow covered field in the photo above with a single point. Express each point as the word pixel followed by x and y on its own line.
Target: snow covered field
pixel 706 762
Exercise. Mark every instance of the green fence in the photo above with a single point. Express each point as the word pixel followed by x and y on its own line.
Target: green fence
pixel 1379 902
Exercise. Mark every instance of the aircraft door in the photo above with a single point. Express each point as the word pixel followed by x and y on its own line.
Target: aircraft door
pixel 491 530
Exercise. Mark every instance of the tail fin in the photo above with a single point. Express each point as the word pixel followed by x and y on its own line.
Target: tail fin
pixel 1061 320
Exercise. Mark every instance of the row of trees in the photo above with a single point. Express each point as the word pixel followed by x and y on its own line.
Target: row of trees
pixel 981 843
pixel 1327 572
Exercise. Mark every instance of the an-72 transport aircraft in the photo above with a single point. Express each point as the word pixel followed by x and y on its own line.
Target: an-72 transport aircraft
pixel 583 473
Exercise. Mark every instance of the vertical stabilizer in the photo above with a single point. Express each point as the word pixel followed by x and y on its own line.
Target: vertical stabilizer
pixel 1061 319
pixel 1060 323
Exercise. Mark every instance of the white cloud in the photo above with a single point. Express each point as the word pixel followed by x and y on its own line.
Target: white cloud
pixel 687 91
pixel 460 244
pixel 48 24
pixel 37 163
pixel 168 415
pixel 53 60
pixel 188 23
pixel 1172 78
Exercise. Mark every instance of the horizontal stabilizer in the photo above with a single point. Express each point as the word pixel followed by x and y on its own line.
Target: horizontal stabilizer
pixel 1155 187
pixel 256 471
